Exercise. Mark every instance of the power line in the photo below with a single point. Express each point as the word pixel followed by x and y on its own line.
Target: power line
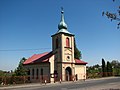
pixel 5 50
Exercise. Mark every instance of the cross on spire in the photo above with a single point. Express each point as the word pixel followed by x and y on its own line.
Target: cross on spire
pixel 62 11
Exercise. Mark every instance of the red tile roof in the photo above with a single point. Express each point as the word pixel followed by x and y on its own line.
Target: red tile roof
pixel 78 62
pixel 44 57
pixel 37 58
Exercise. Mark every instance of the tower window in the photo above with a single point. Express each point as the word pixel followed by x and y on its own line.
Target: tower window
pixel 56 43
pixel 68 57
pixel 67 42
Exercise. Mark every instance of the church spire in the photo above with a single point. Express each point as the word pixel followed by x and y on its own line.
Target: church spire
pixel 62 15
pixel 62 24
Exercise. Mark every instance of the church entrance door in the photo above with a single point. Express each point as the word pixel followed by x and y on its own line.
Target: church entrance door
pixel 68 74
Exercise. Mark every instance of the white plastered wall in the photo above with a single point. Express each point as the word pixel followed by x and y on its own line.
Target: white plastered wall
pixel 44 66
pixel 51 60
pixel 80 71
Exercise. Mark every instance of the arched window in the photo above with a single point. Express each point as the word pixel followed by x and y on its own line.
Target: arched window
pixel 56 43
pixel 67 42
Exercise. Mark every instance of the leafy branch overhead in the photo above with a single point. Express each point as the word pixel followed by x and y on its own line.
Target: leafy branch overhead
pixel 113 16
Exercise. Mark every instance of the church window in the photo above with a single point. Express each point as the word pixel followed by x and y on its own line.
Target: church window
pixel 67 42
pixel 28 73
pixel 41 73
pixel 56 43
pixel 37 73
pixel 32 73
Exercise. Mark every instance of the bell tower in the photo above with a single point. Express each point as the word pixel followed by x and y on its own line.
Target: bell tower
pixel 63 49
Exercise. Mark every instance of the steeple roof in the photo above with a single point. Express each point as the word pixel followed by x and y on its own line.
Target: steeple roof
pixel 62 26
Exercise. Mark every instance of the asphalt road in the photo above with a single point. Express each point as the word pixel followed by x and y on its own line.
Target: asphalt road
pixel 95 84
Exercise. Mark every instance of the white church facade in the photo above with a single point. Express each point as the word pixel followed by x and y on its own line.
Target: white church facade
pixel 59 64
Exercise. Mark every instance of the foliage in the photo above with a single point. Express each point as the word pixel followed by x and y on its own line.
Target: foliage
pixel 109 69
pixel 116 67
pixel 112 68
pixel 6 73
pixel 7 80
pixel 103 68
pixel 113 16
pixel 94 71
pixel 20 71
pixel 77 53
pixel 1 73
pixel 16 77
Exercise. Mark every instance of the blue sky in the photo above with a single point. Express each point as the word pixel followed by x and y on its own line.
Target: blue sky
pixel 29 24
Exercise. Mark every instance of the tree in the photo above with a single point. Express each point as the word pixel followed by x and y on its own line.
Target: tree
pixel 103 68
pixel 94 71
pixel 21 71
pixel 77 53
pixel 116 67
pixel 109 69
pixel 113 16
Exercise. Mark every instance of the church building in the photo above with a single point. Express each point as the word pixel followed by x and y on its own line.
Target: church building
pixel 59 64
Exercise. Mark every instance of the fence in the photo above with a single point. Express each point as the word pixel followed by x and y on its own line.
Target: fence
pixel 7 80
